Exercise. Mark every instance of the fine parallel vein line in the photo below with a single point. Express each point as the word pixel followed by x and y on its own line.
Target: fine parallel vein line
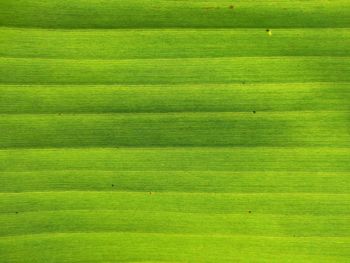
pixel 33 236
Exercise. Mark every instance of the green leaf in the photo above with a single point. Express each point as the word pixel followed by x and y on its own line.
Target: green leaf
pixel 174 131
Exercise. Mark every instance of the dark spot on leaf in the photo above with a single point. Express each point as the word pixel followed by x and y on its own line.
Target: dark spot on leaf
pixel 16 212
pixel 267 30
pixel 231 7
pixel 112 185
pixel 254 111
pixel 249 212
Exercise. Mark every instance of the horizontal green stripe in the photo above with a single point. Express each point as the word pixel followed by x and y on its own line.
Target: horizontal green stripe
pixel 251 224
pixel 133 247
pixel 176 181
pixel 181 129
pixel 160 13
pixel 320 159
pixel 175 71
pixel 173 43
pixel 211 203
pixel 174 98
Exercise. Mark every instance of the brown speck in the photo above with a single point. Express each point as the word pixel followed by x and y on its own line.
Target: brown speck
pixel 150 193
pixel 231 7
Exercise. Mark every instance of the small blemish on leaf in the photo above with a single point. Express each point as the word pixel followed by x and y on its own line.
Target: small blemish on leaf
pixel 254 111
pixel 112 185
pixel 231 7
pixel 269 32
pixel 249 212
